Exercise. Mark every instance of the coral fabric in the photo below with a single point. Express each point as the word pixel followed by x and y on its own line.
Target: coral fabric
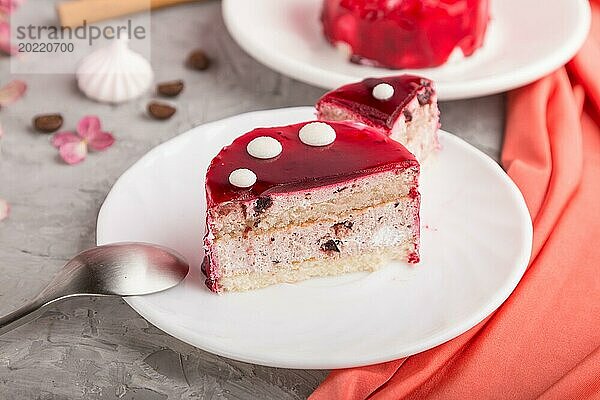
pixel 544 341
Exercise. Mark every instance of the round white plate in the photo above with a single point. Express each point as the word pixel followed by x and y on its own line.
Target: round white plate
pixel 476 242
pixel 526 40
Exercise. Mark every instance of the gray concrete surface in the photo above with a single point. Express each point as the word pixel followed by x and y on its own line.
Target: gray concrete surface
pixel 100 348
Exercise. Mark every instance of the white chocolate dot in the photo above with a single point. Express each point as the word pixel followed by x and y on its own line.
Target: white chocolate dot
pixel 242 177
pixel 383 91
pixel 264 147
pixel 317 134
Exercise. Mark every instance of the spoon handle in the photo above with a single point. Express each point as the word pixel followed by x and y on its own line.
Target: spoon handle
pixel 23 315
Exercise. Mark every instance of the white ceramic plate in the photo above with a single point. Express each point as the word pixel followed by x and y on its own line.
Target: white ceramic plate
pixel 526 40
pixel 476 242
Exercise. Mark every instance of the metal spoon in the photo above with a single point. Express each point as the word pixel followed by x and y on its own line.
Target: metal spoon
pixel 123 269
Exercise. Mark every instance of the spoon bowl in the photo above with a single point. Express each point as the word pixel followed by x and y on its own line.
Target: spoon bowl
pixel 121 269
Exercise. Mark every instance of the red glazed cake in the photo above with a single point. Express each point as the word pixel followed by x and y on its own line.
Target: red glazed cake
pixel 405 33
pixel 403 107
pixel 311 199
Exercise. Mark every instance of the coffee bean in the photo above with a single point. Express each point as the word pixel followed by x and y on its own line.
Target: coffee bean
pixel 161 110
pixel 47 123
pixel 171 88
pixel 198 60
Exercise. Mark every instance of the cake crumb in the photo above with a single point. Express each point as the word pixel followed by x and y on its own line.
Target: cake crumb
pixel 331 245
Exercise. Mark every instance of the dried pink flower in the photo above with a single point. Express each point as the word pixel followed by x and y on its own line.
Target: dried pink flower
pixel 12 92
pixel 5 45
pixel 4 209
pixel 73 146
pixel 8 6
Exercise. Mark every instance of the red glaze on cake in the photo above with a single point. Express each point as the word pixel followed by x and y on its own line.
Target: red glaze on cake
pixel 317 199
pixel 409 116
pixel 405 33
pixel 357 98
pixel 356 151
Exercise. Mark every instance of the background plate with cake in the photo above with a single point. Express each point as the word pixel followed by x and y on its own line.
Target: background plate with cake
pixel 329 43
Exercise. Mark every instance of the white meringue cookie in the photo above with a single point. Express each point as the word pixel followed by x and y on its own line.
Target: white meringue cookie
pixel 114 74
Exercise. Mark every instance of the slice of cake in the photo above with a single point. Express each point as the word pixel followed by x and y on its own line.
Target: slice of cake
pixel 403 107
pixel 405 33
pixel 312 199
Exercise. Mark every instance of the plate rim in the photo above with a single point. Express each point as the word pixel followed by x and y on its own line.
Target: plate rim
pixel 312 75
pixel 186 335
